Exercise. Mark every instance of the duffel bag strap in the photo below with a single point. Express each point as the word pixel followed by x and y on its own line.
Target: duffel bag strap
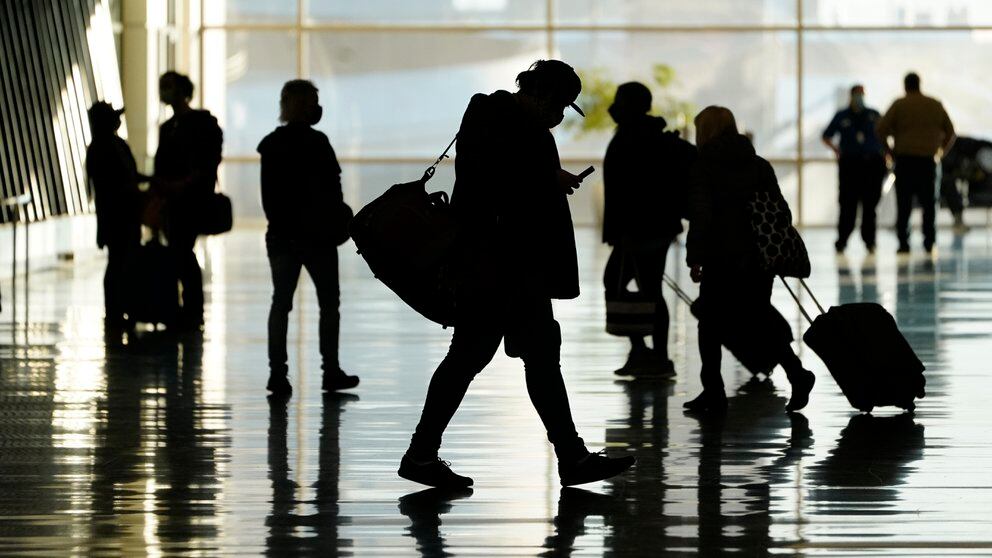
pixel 429 173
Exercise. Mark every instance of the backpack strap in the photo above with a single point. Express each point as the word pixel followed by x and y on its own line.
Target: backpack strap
pixel 429 173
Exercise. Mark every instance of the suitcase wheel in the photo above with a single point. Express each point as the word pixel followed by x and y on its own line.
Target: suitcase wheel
pixel 911 406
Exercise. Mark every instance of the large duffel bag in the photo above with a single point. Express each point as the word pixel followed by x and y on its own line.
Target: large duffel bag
pixel 866 354
pixel 407 237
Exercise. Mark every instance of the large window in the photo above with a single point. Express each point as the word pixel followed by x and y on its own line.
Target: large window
pixel 395 76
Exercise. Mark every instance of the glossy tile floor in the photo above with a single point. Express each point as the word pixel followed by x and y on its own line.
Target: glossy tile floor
pixel 166 448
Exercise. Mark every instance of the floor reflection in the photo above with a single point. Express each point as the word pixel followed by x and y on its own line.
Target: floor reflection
pixel 159 445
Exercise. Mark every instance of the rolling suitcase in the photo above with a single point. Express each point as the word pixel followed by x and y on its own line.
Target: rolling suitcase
pixel 406 237
pixel 156 286
pixel 866 354
pixel 757 360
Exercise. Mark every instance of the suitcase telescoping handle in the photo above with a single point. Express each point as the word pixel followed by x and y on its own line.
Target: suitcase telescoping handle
pixel 675 287
pixel 799 303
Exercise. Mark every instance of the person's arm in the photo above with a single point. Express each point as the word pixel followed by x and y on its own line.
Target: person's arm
pixel 885 127
pixel 700 213
pixel 830 132
pixel 330 170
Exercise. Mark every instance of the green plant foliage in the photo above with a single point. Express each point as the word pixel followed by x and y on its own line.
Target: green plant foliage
pixel 597 96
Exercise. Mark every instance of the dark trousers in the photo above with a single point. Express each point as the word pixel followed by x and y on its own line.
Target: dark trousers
pixel 861 181
pixel 916 177
pixel 531 333
pixel 737 304
pixel 190 275
pixel 287 260
pixel 118 288
pixel 645 264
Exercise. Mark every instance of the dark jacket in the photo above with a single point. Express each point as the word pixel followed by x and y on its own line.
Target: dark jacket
pixel 646 180
pixel 113 181
pixel 516 236
pixel 189 152
pixel 301 183
pixel 726 176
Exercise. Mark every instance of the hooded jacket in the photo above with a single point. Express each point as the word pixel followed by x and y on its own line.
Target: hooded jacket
pixel 725 178
pixel 646 180
pixel 516 236
pixel 301 182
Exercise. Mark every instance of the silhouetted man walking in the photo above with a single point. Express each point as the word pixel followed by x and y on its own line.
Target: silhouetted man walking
pixel 920 127
pixel 860 165
pixel 516 253
pixel 646 180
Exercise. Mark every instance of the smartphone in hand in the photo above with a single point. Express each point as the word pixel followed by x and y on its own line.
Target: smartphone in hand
pixel 586 172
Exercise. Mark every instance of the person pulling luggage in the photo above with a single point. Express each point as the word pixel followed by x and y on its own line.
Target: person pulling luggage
pixel 645 176
pixel 721 250
pixel 516 252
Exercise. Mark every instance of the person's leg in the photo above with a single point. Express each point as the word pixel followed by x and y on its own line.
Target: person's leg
pixel 802 380
pixel 871 194
pixel 904 200
pixel 190 277
pixel 114 285
pixel 927 194
pixel 650 269
pixel 473 345
pixel 848 199
pixel 952 196
pixel 323 270
pixel 285 266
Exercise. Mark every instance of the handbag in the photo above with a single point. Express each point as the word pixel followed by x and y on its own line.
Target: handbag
pixel 629 314
pixel 216 214
pixel 780 248
pixel 342 222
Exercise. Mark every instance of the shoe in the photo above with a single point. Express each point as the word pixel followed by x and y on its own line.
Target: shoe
pixel 707 402
pixel 593 467
pixel 337 381
pixel 928 248
pixel 871 249
pixel 903 249
pixel 279 385
pixel 429 503
pixel 801 386
pixel 645 362
pixel 840 247
pixel 435 472
pixel 959 226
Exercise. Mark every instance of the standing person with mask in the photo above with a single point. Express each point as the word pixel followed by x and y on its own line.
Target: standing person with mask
pixel 301 194
pixel 861 167
pixel 516 253
pixel 645 175
pixel 735 291
pixel 920 128
pixel 113 182
pixel 189 152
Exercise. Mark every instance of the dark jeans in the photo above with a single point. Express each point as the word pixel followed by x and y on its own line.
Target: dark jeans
pixel 916 177
pixel 118 288
pixel 190 275
pixel 645 264
pixel 861 181
pixel 286 259
pixel 737 304
pixel 534 335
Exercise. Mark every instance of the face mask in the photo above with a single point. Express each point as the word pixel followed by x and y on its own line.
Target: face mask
pixel 858 101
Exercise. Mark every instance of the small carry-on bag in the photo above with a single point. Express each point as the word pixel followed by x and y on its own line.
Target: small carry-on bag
pixel 866 354
pixel 155 287
pixel 629 314
pixel 757 359
pixel 407 236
